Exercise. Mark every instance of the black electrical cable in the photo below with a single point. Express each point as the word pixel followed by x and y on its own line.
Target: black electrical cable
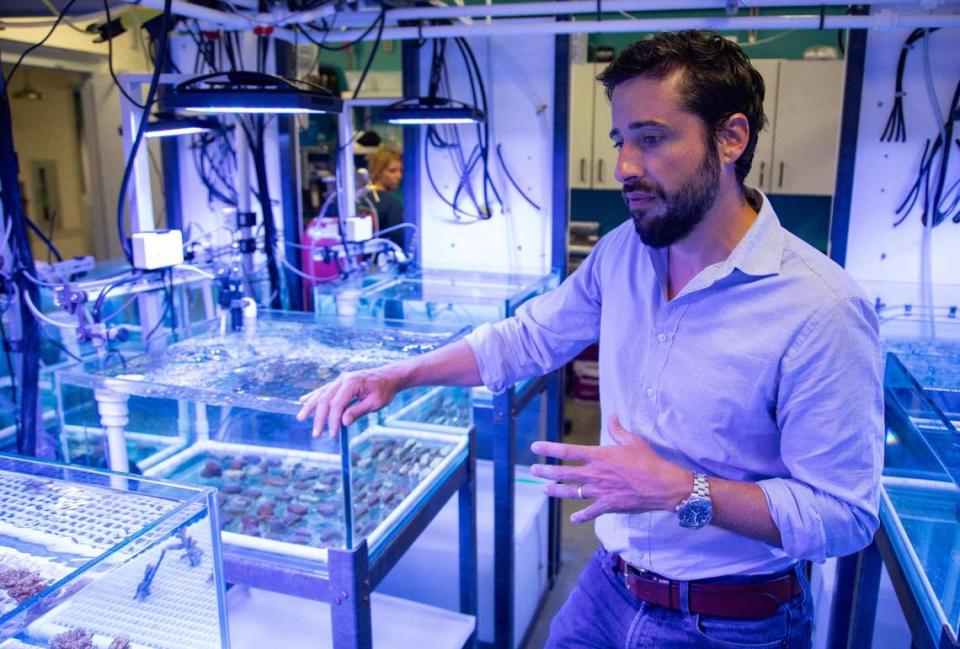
pixel 43 237
pixel 895 129
pixel 485 128
pixel 436 189
pixel 373 53
pixel 503 165
pixel 144 118
pixel 342 46
pixel 53 339
pixel 29 426
pixel 938 216
pixel 933 198
pixel 257 146
pixel 30 49
pixel 53 221
pixel 6 353
pixel 98 303
pixel 173 307
pixel 109 38
pixel 163 316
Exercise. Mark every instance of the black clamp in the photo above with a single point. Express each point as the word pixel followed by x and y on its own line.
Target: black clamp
pixel 247 246
pixel 246 219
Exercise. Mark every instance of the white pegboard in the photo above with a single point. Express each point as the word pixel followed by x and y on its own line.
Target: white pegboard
pixel 84 520
pixel 518 75
pixel 181 611
pixel 885 171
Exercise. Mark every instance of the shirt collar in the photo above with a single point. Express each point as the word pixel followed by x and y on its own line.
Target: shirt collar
pixel 760 252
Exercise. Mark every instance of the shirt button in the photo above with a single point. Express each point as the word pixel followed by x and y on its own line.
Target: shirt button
pixel 650 392
pixel 662 338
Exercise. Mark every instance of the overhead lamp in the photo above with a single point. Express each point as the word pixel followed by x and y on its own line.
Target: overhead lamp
pixel 169 125
pixel 432 110
pixel 250 92
pixel 28 92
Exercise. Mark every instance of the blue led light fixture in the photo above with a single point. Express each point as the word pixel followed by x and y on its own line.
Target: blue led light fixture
pixel 247 92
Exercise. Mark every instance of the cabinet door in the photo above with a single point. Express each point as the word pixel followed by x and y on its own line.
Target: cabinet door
pixel 581 125
pixel 807 130
pixel 604 155
pixel 759 176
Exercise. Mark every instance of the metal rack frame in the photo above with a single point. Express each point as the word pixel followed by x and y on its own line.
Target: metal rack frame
pixel 853 616
pixel 352 574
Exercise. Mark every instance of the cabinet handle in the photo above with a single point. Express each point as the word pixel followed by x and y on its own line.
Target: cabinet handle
pixel 763 165
pixel 780 181
pixel 600 171
pixel 583 170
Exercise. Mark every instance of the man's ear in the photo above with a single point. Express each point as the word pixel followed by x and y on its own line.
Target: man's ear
pixel 732 138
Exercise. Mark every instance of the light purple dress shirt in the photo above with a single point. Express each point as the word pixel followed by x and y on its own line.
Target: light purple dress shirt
pixel 764 368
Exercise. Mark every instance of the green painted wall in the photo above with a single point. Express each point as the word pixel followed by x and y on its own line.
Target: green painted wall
pixel 767 45
pixel 808 217
pixel 354 58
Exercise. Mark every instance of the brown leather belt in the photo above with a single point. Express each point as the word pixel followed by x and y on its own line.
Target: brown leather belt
pixel 750 601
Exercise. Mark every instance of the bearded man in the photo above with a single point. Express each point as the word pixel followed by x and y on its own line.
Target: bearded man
pixel 740 377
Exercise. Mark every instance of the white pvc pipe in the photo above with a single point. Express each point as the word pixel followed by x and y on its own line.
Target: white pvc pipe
pixel 886 20
pixel 591 7
pixel 114 416
pixel 222 18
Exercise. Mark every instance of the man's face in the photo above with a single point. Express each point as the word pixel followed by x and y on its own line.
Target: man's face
pixel 667 163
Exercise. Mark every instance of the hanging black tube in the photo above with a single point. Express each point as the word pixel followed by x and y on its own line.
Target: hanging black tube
pixel 29 344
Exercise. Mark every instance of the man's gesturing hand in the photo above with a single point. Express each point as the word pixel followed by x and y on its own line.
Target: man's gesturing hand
pixel 349 397
pixel 627 478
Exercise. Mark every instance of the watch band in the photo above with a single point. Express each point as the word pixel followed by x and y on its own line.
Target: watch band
pixel 701 489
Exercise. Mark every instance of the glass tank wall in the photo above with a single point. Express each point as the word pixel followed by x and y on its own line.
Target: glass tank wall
pixel 456 298
pixel 920 502
pixel 92 559
pixel 925 339
pixel 283 492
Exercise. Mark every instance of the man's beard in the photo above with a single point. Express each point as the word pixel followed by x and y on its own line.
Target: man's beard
pixel 678 213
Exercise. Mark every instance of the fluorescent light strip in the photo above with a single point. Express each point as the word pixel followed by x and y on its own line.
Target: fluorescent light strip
pixel 174 131
pixel 432 120
pixel 249 110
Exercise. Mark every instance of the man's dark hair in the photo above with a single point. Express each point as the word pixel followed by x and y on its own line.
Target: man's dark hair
pixel 716 80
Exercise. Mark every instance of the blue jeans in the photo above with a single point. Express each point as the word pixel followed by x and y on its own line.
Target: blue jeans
pixel 602 614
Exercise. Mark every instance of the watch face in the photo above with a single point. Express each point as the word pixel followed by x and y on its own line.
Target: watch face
pixel 695 513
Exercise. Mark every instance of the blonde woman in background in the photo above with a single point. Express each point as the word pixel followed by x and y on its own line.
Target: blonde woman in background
pixel 386 172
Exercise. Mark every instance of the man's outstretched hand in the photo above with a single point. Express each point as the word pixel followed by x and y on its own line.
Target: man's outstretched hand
pixel 349 397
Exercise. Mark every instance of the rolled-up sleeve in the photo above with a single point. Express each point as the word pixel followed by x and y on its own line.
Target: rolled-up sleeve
pixel 830 414
pixel 546 332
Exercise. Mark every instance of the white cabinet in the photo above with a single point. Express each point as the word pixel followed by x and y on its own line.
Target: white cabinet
pixel 806 133
pixel 759 175
pixel 796 153
pixel 592 156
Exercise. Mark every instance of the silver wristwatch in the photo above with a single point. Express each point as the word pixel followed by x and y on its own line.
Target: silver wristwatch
pixel 696 510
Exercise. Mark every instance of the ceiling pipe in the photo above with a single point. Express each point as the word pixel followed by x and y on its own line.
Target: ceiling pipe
pixel 224 19
pixel 882 19
pixel 885 19
pixel 592 6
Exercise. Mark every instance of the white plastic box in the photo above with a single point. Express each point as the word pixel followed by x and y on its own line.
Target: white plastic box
pixel 429 572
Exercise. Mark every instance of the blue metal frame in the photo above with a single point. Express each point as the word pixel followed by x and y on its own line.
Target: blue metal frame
pixel 847 156
pixel 353 574
pixel 410 65
pixel 506 407
pixel 560 241
pixel 289 144
pixel 858 580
